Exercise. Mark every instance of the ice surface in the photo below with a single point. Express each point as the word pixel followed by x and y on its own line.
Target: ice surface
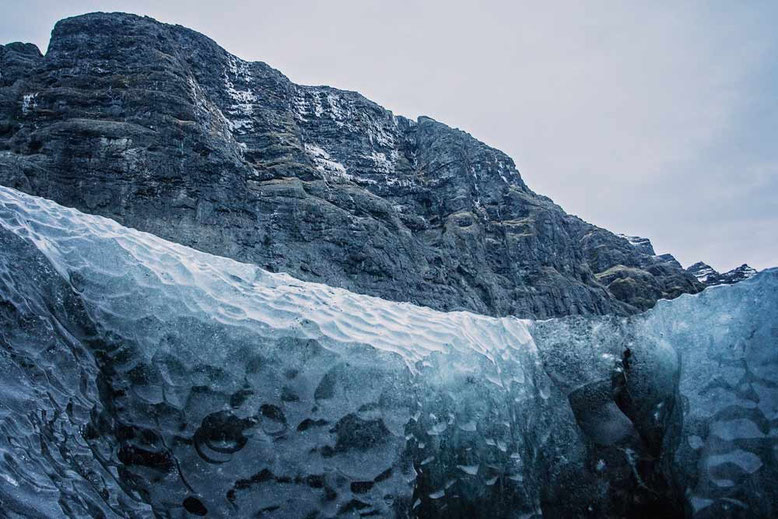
pixel 142 377
pixel 727 342
pixel 253 391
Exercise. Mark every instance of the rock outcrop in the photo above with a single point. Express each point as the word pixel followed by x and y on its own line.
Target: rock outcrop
pixel 159 128
pixel 642 244
pixel 709 277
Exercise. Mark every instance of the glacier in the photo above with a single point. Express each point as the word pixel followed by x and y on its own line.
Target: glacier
pixel 142 378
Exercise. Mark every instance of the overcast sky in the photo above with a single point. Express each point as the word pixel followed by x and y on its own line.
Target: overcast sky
pixel 658 119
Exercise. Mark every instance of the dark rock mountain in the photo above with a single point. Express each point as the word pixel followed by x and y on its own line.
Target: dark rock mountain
pixel 159 128
pixel 709 277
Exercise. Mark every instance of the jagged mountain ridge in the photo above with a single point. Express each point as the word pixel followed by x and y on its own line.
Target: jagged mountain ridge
pixel 159 128
pixel 710 277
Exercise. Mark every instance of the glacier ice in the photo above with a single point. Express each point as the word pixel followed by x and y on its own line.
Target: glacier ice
pixel 144 378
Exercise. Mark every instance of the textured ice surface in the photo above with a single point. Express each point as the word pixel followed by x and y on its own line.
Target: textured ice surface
pixel 141 377
pixel 727 341
pixel 249 391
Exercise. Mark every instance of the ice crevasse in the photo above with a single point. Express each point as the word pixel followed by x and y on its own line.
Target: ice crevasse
pixel 141 377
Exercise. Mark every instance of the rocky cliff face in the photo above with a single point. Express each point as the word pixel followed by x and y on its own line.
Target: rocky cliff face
pixel 159 128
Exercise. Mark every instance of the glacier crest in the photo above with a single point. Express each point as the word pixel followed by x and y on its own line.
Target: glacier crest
pixel 143 377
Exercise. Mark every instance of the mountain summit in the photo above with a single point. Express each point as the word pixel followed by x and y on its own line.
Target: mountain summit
pixel 159 128
pixel 708 276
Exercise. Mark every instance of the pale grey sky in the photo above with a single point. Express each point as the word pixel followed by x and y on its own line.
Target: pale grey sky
pixel 652 118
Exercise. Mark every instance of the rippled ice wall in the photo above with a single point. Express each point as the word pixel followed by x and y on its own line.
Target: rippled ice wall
pixel 141 377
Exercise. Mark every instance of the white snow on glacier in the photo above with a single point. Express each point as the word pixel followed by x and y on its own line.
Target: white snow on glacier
pixel 240 391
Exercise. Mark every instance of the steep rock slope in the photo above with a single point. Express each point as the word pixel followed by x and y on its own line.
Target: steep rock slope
pixel 142 378
pixel 158 127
